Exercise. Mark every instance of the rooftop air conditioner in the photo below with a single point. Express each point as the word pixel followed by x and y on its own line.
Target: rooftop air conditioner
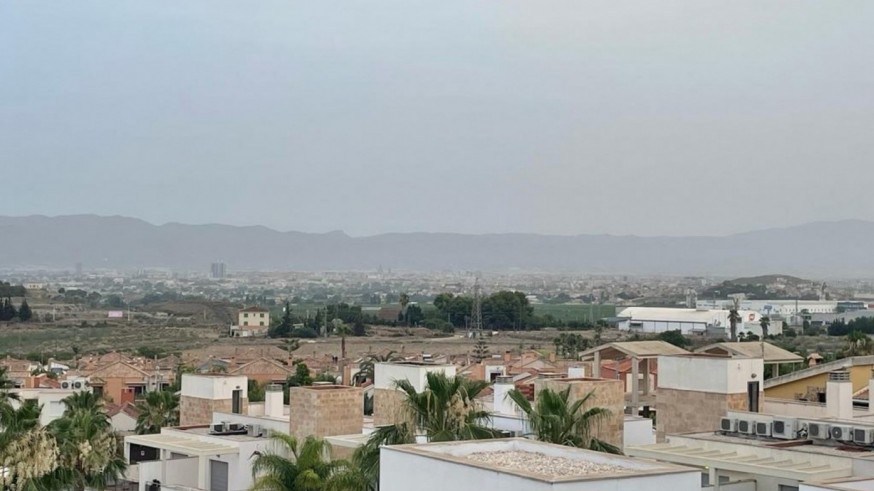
pixel 65 385
pixel 254 430
pixel 746 426
pixel 728 425
pixel 77 385
pixel 763 428
pixel 217 428
pixel 842 433
pixel 784 428
pixel 863 436
pixel 818 431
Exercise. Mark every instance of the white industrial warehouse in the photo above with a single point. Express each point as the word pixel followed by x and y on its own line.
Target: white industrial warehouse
pixel 688 321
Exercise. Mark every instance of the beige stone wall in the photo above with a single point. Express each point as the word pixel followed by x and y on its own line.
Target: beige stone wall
pixel 388 407
pixel 325 411
pixel 608 394
pixel 688 411
pixel 195 411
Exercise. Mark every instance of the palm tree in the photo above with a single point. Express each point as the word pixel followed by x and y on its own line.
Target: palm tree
pixel 342 330
pixel 859 343
pixel 293 466
pixel 765 323
pixel 404 301
pixel 555 419
pixel 365 368
pixel 445 411
pixel 733 319
pixel 88 450
pixel 28 453
pixel 82 401
pixel 157 410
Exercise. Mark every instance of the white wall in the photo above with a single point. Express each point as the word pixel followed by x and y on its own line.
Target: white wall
pixel 709 374
pixel 385 374
pixel 123 422
pixel 399 469
pixel 638 431
pixel 179 472
pixel 213 387
pixel 49 399
pixel 855 485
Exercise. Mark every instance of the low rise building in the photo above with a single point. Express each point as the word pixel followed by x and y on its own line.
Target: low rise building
pixel 518 464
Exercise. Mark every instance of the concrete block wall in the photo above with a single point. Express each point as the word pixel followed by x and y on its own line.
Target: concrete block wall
pixel 194 411
pixel 325 410
pixel 689 411
pixel 388 407
pixel 608 394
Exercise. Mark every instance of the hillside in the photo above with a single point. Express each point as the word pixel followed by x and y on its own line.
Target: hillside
pixel 825 249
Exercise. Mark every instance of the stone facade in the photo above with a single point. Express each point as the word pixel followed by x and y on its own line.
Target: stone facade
pixel 690 411
pixel 196 411
pixel 325 410
pixel 608 394
pixel 388 407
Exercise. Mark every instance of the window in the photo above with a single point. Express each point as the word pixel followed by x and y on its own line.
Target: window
pixel 246 323
pixel 262 316
pixel 236 401
pixel 262 323
pixel 245 315
pixel 784 487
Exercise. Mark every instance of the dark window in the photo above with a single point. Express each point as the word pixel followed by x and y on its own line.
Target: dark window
pixel 237 401
pixel 753 397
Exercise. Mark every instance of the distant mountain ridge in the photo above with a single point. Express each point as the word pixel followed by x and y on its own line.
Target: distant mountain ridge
pixel 820 249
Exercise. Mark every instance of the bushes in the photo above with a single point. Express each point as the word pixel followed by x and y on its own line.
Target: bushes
pixel 304 332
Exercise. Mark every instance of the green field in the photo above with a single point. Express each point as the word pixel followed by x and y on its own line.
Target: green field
pixel 575 312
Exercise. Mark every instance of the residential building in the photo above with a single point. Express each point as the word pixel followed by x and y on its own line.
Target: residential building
pixel 251 321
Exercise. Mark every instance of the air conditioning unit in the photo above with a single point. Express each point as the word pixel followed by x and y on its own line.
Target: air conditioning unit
pixel 77 385
pixel 746 426
pixel 254 430
pixel 217 428
pixel 728 425
pixel 818 431
pixel 784 428
pixel 842 433
pixel 863 436
pixel 763 428
pixel 65 385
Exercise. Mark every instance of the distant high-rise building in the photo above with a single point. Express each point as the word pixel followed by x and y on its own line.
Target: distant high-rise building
pixel 217 270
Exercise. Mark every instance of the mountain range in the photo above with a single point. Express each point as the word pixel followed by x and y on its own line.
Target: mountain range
pixel 820 249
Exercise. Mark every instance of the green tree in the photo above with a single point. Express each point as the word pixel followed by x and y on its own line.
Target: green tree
pixel 301 377
pixel 674 337
pixel 447 410
pixel 341 329
pixel 24 312
pixel 293 465
pixel 555 419
pixel 404 300
pixel 480 350
pixel 415 315
pixel 285 326
pixel 158 409
pixel 88 451
pixel 256 391
pixel 765 324
pixel 88 447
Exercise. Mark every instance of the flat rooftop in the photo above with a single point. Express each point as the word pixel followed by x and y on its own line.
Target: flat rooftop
pixel 537 460
pixel 803 446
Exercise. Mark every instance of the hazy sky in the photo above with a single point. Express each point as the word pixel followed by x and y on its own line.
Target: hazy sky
pixel 649 117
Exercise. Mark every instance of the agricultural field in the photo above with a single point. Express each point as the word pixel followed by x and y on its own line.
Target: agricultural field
pixel 575 312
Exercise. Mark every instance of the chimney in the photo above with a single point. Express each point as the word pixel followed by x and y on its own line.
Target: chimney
pixel 503 404
pixel 839 395
pixel 273 407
